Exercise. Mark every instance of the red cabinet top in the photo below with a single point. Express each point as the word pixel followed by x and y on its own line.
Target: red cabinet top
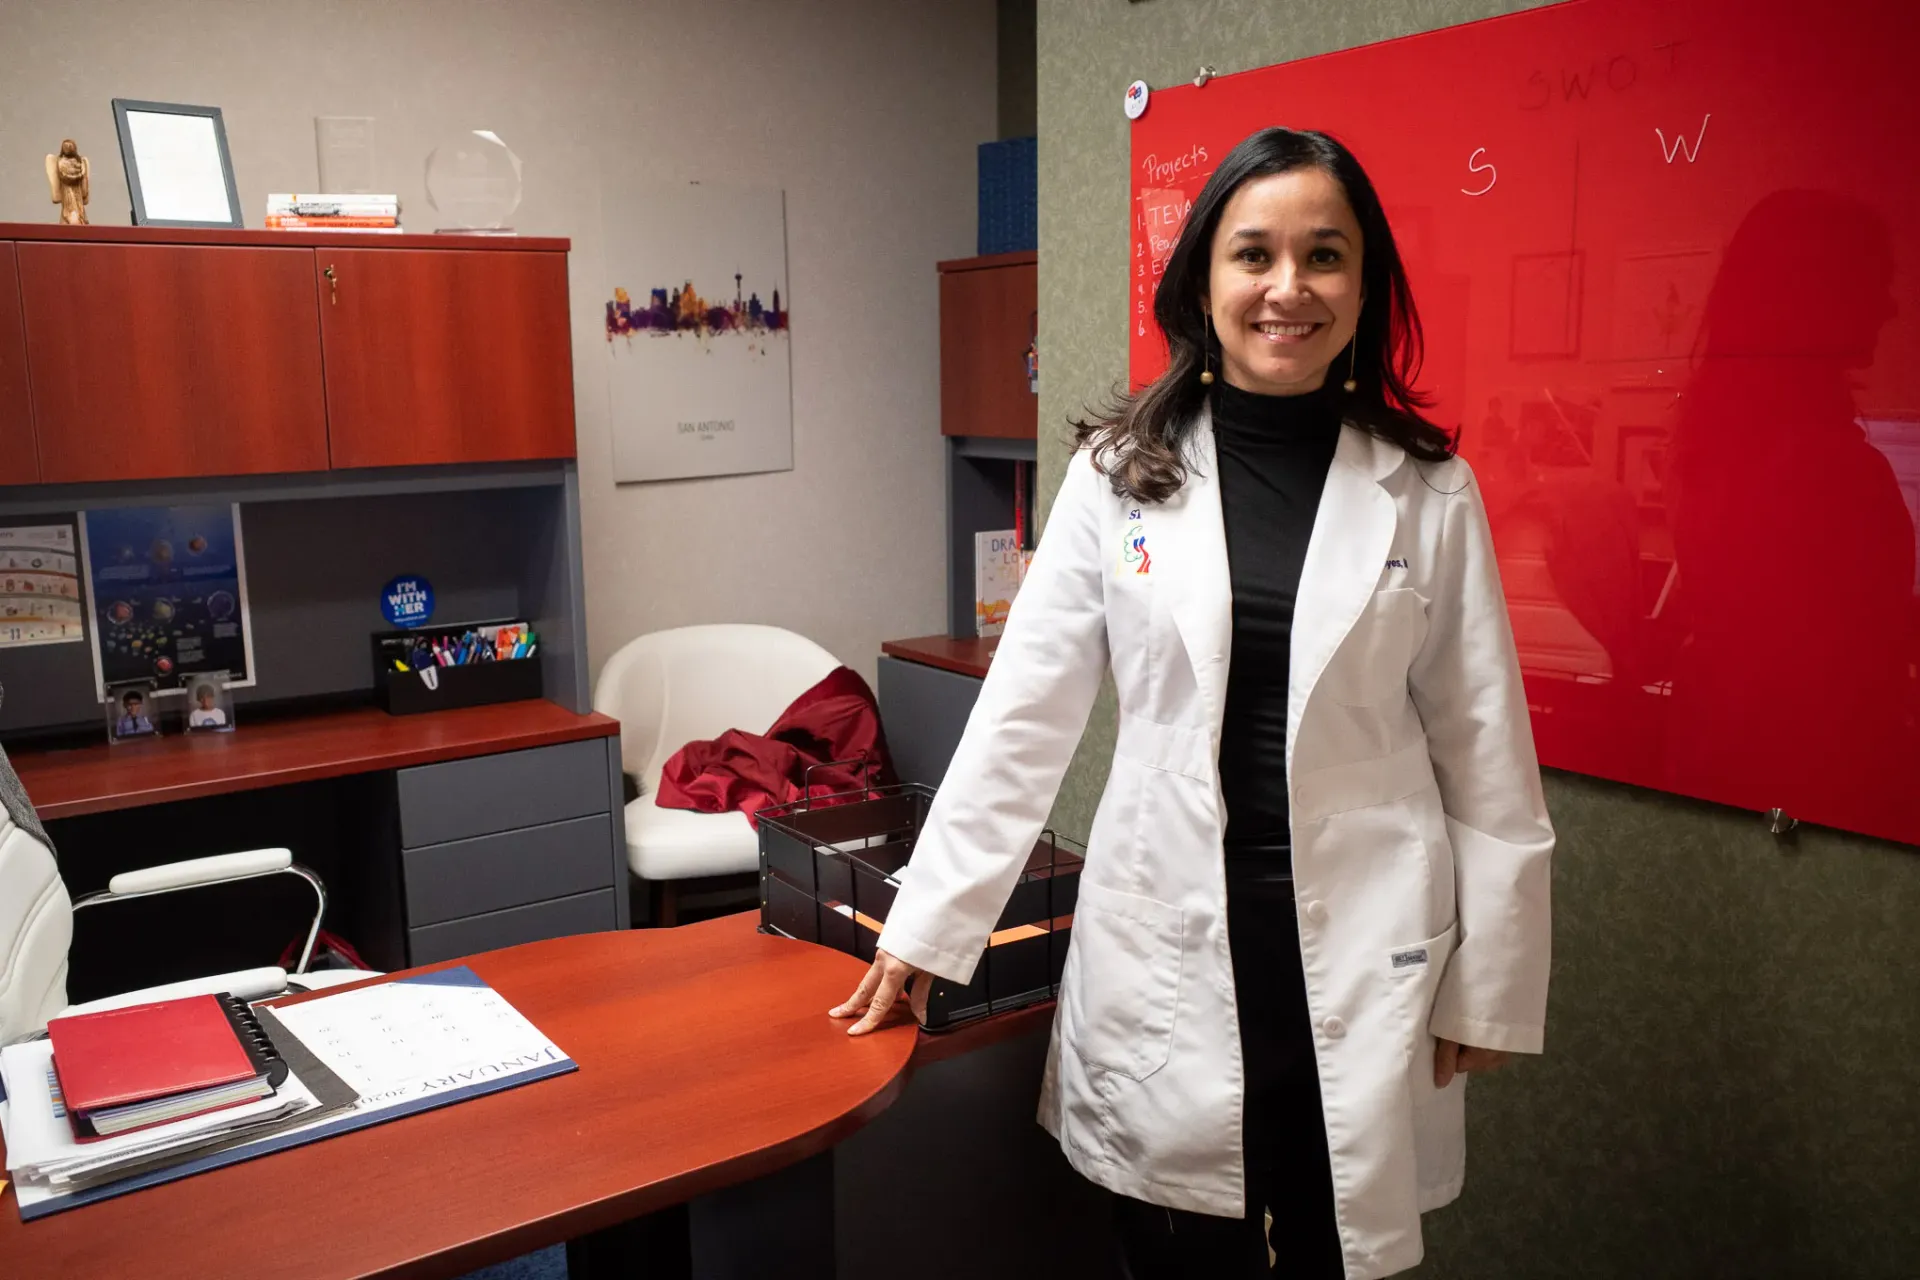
pixel 286 239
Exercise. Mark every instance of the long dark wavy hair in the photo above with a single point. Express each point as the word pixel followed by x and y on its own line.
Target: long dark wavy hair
pixel 1140 441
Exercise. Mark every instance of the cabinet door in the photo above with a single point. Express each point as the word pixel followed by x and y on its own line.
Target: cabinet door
pixel 986 322
pixel 19 462
pixel 172 360
pixel 446 355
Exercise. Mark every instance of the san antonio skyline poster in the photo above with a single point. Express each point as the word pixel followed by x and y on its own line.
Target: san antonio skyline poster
pixel 697 326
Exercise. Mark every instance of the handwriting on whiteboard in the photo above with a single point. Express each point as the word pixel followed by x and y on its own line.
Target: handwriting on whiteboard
pixel 1493 174
pixel 1680 142
pixel 1616 73
pixel 1162 211
pixel 1163 172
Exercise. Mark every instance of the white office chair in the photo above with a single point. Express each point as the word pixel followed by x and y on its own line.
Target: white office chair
pixel 36 929
pixel 688 685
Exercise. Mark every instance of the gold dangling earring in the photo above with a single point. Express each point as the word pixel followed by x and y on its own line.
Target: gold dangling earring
pixel 1353 358
pixel 1206 352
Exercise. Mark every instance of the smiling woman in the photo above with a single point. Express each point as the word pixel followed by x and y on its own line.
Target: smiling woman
pixel 1316 888
pixel 1285 265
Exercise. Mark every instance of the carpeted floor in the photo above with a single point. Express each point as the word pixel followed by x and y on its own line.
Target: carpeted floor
pixel 548 1264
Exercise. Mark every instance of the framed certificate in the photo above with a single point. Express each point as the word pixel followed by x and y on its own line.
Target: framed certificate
pixel 178 169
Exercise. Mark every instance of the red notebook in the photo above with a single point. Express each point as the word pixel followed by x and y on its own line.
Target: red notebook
pixel 120 1058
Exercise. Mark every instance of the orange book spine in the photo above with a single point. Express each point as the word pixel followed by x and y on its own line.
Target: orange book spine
pixel 296 221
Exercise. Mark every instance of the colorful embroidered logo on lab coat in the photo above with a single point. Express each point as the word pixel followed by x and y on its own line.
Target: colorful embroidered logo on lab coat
pixel 1134 556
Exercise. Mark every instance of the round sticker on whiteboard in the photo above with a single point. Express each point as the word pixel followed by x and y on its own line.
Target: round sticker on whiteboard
pixel 407 602
pixel 1137 94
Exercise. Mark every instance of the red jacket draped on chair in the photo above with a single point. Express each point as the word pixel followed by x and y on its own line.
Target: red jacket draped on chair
pixel 835 721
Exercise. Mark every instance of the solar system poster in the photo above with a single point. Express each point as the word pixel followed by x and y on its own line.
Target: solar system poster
pixel 167 592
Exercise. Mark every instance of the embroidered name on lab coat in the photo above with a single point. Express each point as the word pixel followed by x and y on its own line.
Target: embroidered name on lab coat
pixel 1396 564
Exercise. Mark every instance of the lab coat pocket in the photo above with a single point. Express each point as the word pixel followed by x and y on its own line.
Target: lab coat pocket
pixel 1420 965
pixel 1122 986
pixel 1438 1115
pixel 1370 666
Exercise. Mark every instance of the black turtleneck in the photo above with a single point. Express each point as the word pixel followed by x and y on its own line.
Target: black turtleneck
pixel 1274 452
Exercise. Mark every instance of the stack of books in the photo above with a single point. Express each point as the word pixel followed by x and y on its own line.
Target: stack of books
pixel 294 212
pixel 114 1094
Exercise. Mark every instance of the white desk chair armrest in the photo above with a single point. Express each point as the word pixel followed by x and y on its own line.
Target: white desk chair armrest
pixel 248 984
pixel 194 871
pixel 220 868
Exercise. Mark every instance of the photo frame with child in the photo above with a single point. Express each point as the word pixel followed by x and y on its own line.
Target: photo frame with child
pixel 132 711
pixel 209 703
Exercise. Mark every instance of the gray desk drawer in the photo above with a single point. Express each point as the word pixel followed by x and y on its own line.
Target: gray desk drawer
pixel 582 913
pixel 924 710
pixel 508 869
pixel 462 798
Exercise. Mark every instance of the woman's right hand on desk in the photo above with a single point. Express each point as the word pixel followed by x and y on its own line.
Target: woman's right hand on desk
pixel 875 996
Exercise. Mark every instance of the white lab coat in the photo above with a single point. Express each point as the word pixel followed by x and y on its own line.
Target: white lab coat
pixel 1421 839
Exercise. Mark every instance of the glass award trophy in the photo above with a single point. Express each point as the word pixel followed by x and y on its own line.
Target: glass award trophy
pixel 473 182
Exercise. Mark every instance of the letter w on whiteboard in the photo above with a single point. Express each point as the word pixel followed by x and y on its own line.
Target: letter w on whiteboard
pixel 1680 142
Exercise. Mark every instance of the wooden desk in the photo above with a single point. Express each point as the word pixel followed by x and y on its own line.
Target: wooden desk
pixel 101 778
pixel 968 657
pixel 706 1059
pixel 477 828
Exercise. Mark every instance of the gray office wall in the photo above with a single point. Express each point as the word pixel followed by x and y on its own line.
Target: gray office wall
pixel 1733 1050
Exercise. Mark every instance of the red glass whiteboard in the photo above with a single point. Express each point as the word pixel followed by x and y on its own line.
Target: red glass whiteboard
pixel 1665 255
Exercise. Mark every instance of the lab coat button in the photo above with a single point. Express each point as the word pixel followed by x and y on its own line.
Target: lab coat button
pixel 1334 1028
pixel 1317 911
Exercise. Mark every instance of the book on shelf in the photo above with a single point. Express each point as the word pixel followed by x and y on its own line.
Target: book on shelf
pixel 375 206
pixel 288 221
pixel 324 224
pixel 999 566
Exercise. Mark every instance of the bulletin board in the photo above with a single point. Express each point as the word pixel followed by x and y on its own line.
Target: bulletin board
pixel 1665 257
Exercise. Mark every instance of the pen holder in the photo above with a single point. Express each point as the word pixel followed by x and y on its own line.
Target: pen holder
pixel 831 866
pixel 475 684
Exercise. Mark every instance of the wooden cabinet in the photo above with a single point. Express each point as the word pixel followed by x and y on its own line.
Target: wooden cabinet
pixel 988 313
pixel 445 355
pixel 136 353
pixel 154 360
pixel 19 461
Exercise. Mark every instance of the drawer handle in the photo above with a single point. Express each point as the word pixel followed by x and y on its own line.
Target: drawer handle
pixel 333 284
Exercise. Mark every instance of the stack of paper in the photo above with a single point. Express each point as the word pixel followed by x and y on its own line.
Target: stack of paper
pixel 42 1152
pixel 355 1058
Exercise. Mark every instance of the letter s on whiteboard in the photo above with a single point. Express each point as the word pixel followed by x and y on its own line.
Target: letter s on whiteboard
pixel 1493 174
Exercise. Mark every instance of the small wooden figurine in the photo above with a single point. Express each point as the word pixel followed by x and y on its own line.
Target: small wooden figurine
pixel 70 183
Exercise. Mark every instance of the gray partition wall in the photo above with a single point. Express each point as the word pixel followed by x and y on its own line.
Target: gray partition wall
pixel 496 542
